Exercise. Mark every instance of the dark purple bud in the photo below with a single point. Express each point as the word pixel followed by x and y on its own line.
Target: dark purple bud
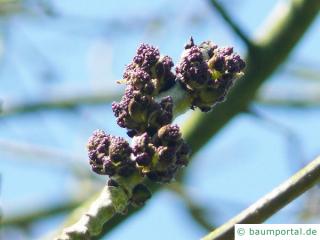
pixel 119 150
pixel 112 183
pixel 147 56
pixel 207 72
pixel 109 167
pixel 143 159
pixel 98 148
pixel 169 135
pixel 140 194
pixel 126 170
pixel 166 154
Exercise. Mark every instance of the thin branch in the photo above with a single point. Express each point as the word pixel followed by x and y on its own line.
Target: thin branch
pixel 46 155
pixel 272 202
pixel 233 25
pixel 302 95
pixel 196 211
pixel 29 218
pixel 58 101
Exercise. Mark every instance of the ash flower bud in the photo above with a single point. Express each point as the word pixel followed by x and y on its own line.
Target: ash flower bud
pixel 207 72
pixel 169 135
pixel 109 155
pixel 140 194
pixel 147 56
pixel 139 113
pixel 119 150
pixel 149 73
pixel 159 157
pixel 98 148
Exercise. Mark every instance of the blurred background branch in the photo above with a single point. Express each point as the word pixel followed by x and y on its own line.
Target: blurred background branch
pixel 272 202
pixel 232 23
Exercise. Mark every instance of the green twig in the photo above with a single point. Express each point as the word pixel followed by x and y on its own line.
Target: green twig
pixel 272 202
pixel 233 25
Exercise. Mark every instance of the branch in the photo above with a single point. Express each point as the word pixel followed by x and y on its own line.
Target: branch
pixel 58 101
pixel 272 202
pixel 302 95
pixel 29 218
pixel 233 25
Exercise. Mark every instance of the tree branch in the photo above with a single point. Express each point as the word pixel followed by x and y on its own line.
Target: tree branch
pixel 29 218
pixel 58 101
pixel 272 202
pixel 233 25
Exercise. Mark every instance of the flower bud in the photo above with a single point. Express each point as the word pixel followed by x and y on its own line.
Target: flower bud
pixel 149 73
pixel 161 156
pixel 110 155
pixel 207 72
pixel 140 194
pixel 142 113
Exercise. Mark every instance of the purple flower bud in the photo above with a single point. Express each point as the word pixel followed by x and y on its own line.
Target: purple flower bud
pixel 110 155
pixel 119 150
pixel 139 113
pixel 140 194
pixel 207 72
pixel 112 183
pixel 149 73
pixel 161 156
pixel 169 135
pixel 147 56
pixel 98 148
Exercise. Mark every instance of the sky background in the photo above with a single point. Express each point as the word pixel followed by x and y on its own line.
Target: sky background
pixel 83 47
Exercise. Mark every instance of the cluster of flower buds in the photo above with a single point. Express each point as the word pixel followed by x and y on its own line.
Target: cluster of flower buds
pixel 110 155
pixel 139 113
pixel 158 151
pixel 160 156
pixel 207 72
pixel 149 72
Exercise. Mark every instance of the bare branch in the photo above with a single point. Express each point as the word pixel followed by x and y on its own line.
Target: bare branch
pixel 233 25
pixel 272 202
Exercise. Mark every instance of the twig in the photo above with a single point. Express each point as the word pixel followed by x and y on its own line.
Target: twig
pixel 29 218
pixel 233 25
pixel 272 202
pixel 305 95
pixel 47 155
pixel 58 101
